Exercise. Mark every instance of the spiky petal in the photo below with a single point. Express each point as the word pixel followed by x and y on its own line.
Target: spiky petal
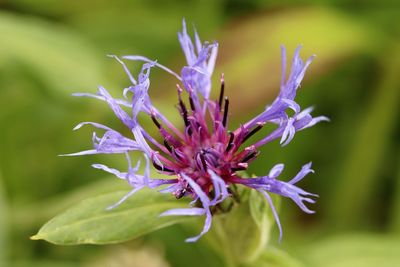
pixel 205 157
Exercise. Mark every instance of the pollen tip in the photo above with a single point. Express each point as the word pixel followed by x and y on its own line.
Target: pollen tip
pixel 179 88
pixel 250 148
pixel 190 89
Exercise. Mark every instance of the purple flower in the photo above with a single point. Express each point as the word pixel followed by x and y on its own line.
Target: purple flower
pixel 204 158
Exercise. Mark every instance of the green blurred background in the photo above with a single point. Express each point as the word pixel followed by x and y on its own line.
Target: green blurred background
pixel 50 49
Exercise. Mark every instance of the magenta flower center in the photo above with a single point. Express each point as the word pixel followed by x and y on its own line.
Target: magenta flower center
pixel 204 146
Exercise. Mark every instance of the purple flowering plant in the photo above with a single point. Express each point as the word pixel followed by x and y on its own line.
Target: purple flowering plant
pixel 205 159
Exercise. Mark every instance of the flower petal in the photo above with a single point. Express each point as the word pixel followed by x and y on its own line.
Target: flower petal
pixel 274 213
pixel 184 212
pixel 276 170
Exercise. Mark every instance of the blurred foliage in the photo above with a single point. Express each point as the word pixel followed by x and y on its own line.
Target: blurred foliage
pixel 273 257
pixel 51 48
pixel 3 225
pixel 374 131
pixel 395 212
pixel 241 238
pixel 354 250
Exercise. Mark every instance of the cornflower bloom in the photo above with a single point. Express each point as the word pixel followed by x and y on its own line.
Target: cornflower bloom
pixel 204 158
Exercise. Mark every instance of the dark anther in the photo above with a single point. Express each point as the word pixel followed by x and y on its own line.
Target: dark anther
pixel 203 160
pixel 221 92
pixel 239 168
pixel 185 115
pixel 230 143
pixel 226 107
pixel 155 121
pixel 184 112
pixel 164 169
pixel 168 145
pixel 250 156
pixel 189 131
pixel 192 103
pixel 252 132
pixel 180 193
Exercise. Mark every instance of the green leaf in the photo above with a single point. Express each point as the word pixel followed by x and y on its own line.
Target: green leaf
pixel 273 257
pixel 90 223
pixel 354 250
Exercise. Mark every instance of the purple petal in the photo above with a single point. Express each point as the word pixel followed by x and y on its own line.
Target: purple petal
pixel 133 81
pixel 110 170
pixel 291 104
pixel 81 153
pixel 212 59
pixel 206 228
pixel 283 55
pixel 297 72
pixel 306 169
pixel 147 170
pixel 197 74
pixel 272 136
pixel 122 115
pixel 95 124
pixel 288 133
pixel 170 189
pixel 276 170
pixel 141 58
pixel 184 212
pixel 111 142
pixel 315 121
pixel 274 213
pixel 206 204
pixel 124 198
pixel 197 189
pixel 119 101
pixel 197 41
pixel 186 44
pixel 220 188
pixel 143 144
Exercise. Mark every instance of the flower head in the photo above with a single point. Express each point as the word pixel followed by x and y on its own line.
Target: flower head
pixel 205 157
